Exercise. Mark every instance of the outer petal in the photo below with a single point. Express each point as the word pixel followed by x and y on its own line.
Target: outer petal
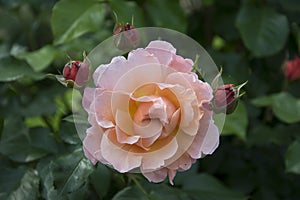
pixel 171 174
pixel 103 110
pixel 91 143
pixel 156 159
pixel 140 57
pixel 156 176
pixel 121 160
pixel 88 98
pixel 211 139
pixel 182 164
pixel 106 76
pixel 162 50
pixel 181 65
pixel 207 138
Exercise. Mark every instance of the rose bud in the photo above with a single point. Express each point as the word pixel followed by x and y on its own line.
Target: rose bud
pixel 75 73
pixel 125 37
pixel 70 70
pixel 226 98
pixel 292 69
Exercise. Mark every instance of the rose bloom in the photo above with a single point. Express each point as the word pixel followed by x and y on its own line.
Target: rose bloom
pixel 149 112
pixel 292 69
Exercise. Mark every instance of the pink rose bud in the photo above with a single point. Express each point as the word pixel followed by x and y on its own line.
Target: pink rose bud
pixel 292 69
pixel 75 72
pixel 226 98
pixel 125 37
pixel 70 70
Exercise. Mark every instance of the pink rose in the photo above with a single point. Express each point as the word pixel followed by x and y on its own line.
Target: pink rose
pixel 149 112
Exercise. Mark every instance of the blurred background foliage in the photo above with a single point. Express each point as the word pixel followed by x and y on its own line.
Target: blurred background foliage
pixel 40 152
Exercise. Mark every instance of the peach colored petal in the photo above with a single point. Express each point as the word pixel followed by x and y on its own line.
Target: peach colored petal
pixel 88 98
pixel 184 142
pixel 99 73
pixel 207 138
pixel 168 128
pixel 156 176
pixel 140 57
pixel 123 138
pixel 171 174
pixel 156 159
pixel 211 139
pixel 91 143
pixel 182 164
pixel 148 129
pixel 162 50
pixel 124 122
pixel 111 73
pixel 180 64
pixel 145 143
pixel 202 90
pixel 121 160
pixel 139 76
pixel 103 110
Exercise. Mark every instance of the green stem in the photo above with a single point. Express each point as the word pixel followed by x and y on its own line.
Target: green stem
pixel 138 184
pixel 49 125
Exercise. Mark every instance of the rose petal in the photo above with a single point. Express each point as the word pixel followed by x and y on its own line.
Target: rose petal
pixel 121 160
pixel 162 50
pixel 182 164
pixel 91 143
pixel 103 110
pixel 123 138
pixel 211 139
pixel 171 174
pixel 148 129
pixel 139 76
pixel 140 57
pixel 88 98
pixel 168 128
pixel 156 159
pixel 145 143
pixel 156 176
pixel 180 64
pixel 207 138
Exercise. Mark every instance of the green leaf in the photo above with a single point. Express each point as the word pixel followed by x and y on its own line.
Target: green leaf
pixel 284 105
pixel 68 133
pixel 167 14
pixel 125 10
pixel 101 173
pixel 292 159
pixel 65 177
pixel 25 145
pixel 19 183
pixel 291 5
pixel 40 59
pixel 12 70
pixel 163 192
pixel 263 31
pixel 76 118
pixel 130 193
pixel 206 187
pixel 73 18
pixel 237 122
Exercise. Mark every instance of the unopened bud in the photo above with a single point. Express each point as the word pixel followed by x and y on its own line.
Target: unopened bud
pixel 292 69
pixel 226 98
pixel 125 37
pixel 75 73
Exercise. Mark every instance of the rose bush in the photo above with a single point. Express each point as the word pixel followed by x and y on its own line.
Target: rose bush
pixel 149 112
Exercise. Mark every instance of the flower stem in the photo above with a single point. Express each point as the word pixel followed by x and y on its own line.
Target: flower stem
pixel 138 184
